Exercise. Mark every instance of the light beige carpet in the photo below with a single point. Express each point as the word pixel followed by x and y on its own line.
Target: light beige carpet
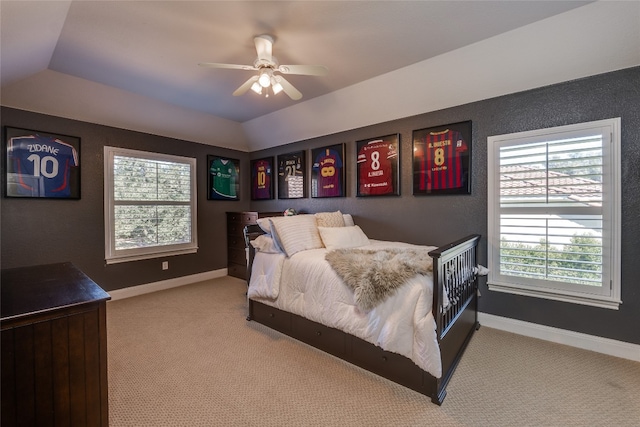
pixel 188 357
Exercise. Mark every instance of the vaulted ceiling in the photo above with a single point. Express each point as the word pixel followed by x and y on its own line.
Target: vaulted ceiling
pixel 149 51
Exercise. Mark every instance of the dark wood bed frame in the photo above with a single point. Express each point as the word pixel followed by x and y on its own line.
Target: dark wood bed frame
pixel 453 269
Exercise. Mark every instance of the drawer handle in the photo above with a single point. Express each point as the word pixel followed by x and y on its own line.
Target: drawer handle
pixel 271 315
pixel 384 358
pixel 318 333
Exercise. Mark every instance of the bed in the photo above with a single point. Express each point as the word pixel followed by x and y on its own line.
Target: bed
pixel 324 290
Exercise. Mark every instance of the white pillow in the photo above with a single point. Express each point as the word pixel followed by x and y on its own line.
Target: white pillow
pixel 295 233
pixel 330 219
pixel 264 224
pixel 343 237
pixel 348 220
pixel 264 243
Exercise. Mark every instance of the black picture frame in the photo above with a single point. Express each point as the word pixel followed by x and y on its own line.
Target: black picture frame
pixel 328 171
pixel 292 175
pixel 262 179
pixel 442 159
pixel 378 166
pixel 223 181
pixel 41 164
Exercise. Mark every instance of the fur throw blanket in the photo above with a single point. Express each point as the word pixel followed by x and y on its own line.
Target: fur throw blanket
pixel 375 275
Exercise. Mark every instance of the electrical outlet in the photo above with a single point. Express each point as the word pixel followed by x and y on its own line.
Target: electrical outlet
pixel 165 265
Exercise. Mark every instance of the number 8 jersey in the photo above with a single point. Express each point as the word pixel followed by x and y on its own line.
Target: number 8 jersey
pixel 442 160
pixel 328 166
pixel 42 165
pixel 375 169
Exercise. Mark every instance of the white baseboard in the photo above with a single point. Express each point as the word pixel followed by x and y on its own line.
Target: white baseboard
pixel 134 291
pixel 608 346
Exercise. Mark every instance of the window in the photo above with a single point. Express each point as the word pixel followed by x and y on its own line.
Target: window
pixel 554 213
pixel 150 205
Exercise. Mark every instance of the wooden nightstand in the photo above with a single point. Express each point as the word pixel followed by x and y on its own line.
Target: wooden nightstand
pixel 236 255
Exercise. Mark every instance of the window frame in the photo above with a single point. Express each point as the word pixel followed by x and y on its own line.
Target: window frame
pixel 608 294
pixel 113 255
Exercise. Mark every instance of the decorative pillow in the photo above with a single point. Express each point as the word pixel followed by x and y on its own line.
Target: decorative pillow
pixel 264 243
pixel 330 219
pixel 295 233
pixel 344 237
pixel 348 220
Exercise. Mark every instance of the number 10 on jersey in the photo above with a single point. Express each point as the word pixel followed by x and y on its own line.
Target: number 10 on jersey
pixel 41 164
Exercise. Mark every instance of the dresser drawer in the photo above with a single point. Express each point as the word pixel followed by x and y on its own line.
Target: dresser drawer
pixel 243 218
pixel 235 228
pixel 237 270
pixel 235 241
pixel 237 256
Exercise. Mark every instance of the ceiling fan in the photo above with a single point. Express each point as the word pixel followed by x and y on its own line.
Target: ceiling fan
pixel 267 66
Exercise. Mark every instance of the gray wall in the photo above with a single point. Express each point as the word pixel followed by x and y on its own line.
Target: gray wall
pixel 47 231
pixel 440 219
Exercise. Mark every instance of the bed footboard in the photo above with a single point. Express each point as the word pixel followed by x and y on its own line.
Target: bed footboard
pixel 455 303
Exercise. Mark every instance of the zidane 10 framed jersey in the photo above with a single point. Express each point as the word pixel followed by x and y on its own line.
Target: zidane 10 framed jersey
pixel 442 159
pixel 42 164
pixel 378 167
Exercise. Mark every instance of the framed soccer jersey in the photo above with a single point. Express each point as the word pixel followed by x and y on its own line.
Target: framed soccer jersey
pixel 262 179
pixel 327 171
pixel 224 178
pixel 41 164
pixel 378 168
pixel 292 176
pixel 442 159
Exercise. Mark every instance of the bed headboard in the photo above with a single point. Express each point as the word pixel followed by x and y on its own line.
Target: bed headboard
pixel 250 232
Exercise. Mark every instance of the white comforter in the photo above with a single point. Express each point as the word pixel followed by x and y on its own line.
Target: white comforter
pixel 306 285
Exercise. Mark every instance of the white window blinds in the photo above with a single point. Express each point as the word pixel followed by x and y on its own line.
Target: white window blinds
pixel 552 215
pixel 151 204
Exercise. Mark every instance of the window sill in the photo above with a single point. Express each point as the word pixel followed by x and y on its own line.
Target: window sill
pixel 140 257
pixel 601 302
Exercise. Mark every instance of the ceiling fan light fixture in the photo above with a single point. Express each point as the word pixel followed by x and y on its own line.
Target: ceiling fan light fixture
pixel 265 78
pixel 256 88
pixel 275 86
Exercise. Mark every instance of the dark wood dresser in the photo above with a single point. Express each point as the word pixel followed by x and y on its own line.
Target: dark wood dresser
pixel 54 347
pixel 236 255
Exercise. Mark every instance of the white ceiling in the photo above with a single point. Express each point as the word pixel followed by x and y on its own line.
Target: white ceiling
pixel 151 48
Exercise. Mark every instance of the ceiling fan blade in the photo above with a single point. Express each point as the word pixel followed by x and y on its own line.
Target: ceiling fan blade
pixel 264 47
pixel 245 86
pixel 306 70
pixel 231 66
pixel 288 88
